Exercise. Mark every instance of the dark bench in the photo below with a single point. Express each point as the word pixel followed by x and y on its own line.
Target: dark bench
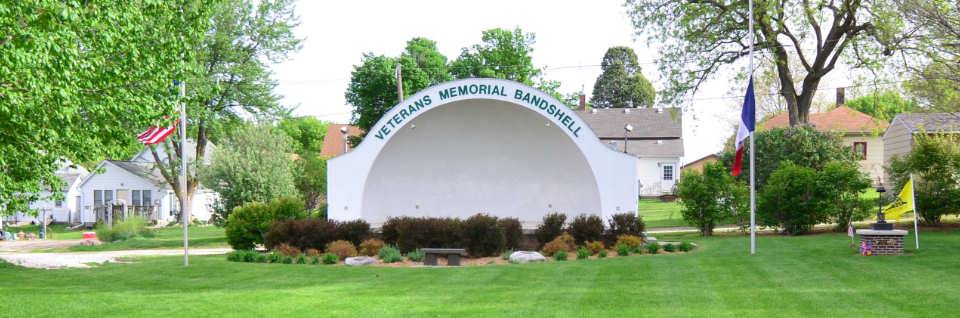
pixel 452 254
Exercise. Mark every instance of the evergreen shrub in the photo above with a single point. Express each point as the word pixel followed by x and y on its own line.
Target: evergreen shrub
pixel 550 228
pixel 481 236
pixel 586 228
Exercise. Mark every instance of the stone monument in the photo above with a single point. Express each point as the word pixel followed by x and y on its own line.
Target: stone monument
pixel 881 236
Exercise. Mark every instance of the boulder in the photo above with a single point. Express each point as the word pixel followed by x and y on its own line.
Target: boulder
pixel 523 257
pixel 360 261
pixel 649 240
pixel 90 242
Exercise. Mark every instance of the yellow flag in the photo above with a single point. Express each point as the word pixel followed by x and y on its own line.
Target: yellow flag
pixel 903 204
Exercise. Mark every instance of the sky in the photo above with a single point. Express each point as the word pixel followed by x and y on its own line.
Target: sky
pixel 571 38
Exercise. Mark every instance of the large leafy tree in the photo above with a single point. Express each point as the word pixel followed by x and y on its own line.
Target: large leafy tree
pixel 621 84
pixel 697 38
pixel 504 54
pixel 373 84
pixel 78 79
pixel 932 52
pixel 234 57
pixel 711 197
pixel 307 133
pixel 883 105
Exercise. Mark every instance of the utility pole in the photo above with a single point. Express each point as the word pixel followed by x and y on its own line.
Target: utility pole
pixel 399 83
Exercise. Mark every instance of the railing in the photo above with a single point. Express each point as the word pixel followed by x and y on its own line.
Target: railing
pixel 118 214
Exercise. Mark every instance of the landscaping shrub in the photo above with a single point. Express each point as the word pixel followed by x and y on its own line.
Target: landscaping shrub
pixel 512 232
pixel 286 259
pixel 354 231
pixel 409 233
pixel 583 253
pixel 637 250
pixel 314 260
pixel 631 241
pixel 711 197
pixel 934 162
pixel 416 256
pixel 330 258
pixel 312 252
pixel 235 256
pixel 653 248
pixel 561 256
pixel 304 234
pixel 260 258
pixel 623 224
pixel 123 230
pixel 248 225
pixel 595 247
pixel 390 230
pixel 563 242
pixel 274 257
pixel 390 254
pixel 342 249
pixel 586 228
pixel 668 247
pixel 250 256
pixel 602 254
pixel 371 247
pixel 301 259
pixel 506 255
pixel 550 228
pixel 840 184
pixel 623 249
pixel 288 250
pixel 685 247
pixel 481 236
pixel 790 200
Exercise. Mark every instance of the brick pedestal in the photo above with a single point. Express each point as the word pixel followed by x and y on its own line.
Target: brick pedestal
pixel 883 242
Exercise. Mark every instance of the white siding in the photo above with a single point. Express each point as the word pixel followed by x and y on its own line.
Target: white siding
pixel 897 141
pixel 114 178
pixel 650 175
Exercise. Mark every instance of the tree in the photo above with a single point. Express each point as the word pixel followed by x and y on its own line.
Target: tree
pixel 883 105
pixel 502 54
pixel 698 37
pixel 790 200
pixel 934 162
pixel 249 223
pixel 306 132
pixel 710 197
pixel 311 179
pixel 621 84
pixel 373 84
pixel 244 37
pixel 840 184
pixel 253 165
pixel 933 87
pixel 79 79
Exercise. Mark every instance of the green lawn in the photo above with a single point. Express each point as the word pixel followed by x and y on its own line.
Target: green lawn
pixel 167 237
pixel 806 276
pixel 660 214
pixel 54 231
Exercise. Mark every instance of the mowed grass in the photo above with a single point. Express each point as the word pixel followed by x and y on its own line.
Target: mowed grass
pixel 167 237
pixel 54 231
pixel 806 276
pixel 660 214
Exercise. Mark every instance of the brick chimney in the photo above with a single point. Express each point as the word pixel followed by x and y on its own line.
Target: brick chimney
pixel 840 100
pixel 583 102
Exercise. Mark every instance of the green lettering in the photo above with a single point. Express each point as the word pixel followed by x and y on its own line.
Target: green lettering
pixel 396 119
pixel 526 97
pixel 576 131
pixel 559 114
pixel 553 109
pixel 543 104
pixel 444 94
pixel 403 113
pixel 518 94
pixel 497 91
pixel 474 89
pixel 418 103
pixel 483 89
pixel 427 101
pixel 503 91
pixel 463 90
pixel 567 121
pixel 535 100
pixel 412 109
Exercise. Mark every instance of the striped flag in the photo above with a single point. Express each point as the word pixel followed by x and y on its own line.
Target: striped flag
pixel 747 121
pixel 156 134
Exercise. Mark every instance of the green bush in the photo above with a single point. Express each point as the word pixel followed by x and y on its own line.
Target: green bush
pixel 623 224
pixel 668 248
pixel 583 253
pixel 506 255
pixel 550 228
pixel 790 200
pixel 585 228
pixel 685 247
pixel 314 260
pixel 481 235
pixel 711 197
pixel 839 184
pixel 330 258
pixel 934 162
pixel 408 233
pixel 653 248
pixel 390 254
pixel 124 230
pixel 602 254
pixel 301 259
pixel 260 258
pixel 248 225
pixel 512 232
pixel 286 259
pixel 560 256
pixel 637 250
pixel 354 231
pixel 623 249
pixel 235 256
pixel 274 257
pixel 250 256
pixel 416 256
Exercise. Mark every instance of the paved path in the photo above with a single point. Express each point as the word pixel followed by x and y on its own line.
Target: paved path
pixel 29 245
pixel 657 230
pixel 81 259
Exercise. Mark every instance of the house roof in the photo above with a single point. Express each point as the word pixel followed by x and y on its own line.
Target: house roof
pixel 647 122
pixel 69 178
pixel 840 119
pixel 333 140
pixel 930 122
pixel 713 156
pixel 141 169
pixel 650 148
pixel 191 145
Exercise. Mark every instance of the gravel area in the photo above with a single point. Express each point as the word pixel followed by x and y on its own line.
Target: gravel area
pixel 81 259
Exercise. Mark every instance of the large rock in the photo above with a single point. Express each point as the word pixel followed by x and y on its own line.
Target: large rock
pixel 90 242
pixel 360 261
pixel 523 257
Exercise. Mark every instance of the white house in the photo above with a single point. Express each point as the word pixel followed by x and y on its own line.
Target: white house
pixel 655 138
pixel 62 211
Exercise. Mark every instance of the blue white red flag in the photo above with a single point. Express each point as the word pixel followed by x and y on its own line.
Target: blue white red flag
pixel 747 123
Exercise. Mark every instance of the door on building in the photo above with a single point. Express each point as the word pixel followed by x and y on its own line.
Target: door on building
pixel 667 177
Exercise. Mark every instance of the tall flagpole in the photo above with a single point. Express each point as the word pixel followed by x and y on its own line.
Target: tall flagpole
pixel 913 200
pixel 753 194
pixel 184 215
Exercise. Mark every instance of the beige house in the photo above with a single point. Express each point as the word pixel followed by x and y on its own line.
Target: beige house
pixel 697 165
pixel 898 139
pixel 860 131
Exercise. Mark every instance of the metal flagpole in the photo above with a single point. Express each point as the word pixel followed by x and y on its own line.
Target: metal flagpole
pixel 184 215
pixel 913 200
pixel 753 196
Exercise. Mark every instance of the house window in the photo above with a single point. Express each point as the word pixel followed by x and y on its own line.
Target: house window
pixel 860 147
pixel 108 196
pixel 97 197
pixel 59 203
pixel 136 198
pixel 147 199
pixel 667 172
